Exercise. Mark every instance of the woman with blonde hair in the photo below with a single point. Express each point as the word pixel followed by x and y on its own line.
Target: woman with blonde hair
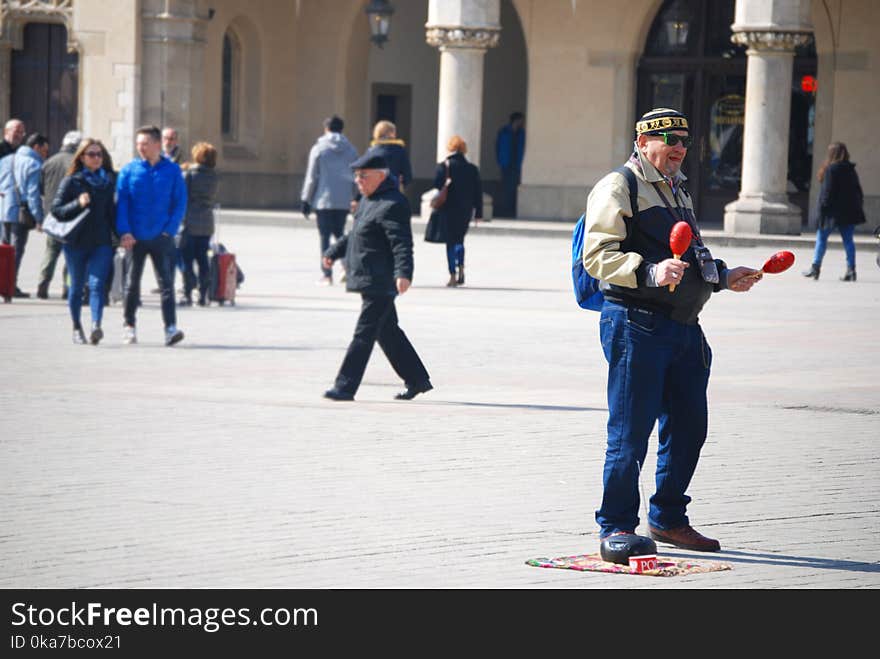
pixel 464 202
pixel 386 143
pixel 198 223
pixel 840 206
pixel 90 184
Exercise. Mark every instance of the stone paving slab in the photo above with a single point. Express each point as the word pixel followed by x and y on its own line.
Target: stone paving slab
pixel 216 463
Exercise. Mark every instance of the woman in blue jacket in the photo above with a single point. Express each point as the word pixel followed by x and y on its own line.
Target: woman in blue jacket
pixel 840 206
pixel 89 184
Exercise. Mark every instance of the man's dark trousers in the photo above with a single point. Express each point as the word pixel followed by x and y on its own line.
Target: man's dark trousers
pixel 162 253
pixel 510 179
pixel 16 234
pixel 658 369
pixel 331 222
pixel 378 322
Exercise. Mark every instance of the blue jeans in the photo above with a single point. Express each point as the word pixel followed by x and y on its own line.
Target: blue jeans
pixel 454 256
pixel 94 263
pixel 849 245
pixel 194 250
pixel 163 254
pixel 657 369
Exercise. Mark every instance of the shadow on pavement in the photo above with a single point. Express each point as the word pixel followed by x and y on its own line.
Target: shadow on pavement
pixel 524 406
pixel 733 556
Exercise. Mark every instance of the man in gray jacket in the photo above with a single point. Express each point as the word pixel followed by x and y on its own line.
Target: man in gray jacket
pixel 55 169
pixel 329 185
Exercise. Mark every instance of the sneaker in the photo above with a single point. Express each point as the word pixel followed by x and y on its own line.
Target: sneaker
pixel 129 335
pixel 324 281
pixel 96 335
pixel 79 338
pixel 172 335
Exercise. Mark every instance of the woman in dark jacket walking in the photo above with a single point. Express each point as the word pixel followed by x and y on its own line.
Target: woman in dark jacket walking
pixel 464 201
pixel 198 224
pixel 90 184
pixel 840 206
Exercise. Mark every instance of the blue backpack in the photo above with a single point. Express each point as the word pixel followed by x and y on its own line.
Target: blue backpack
pixel 586 287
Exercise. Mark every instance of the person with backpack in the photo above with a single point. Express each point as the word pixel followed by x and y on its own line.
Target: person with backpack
pixel 658 358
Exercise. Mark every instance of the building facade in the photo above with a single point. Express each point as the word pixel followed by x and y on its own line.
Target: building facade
pixel 768 84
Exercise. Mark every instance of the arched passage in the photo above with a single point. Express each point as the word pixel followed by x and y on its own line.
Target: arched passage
pixel 505 90
pixel 689 63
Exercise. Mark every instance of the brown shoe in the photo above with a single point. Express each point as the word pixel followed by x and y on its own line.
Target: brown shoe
pixel 685 537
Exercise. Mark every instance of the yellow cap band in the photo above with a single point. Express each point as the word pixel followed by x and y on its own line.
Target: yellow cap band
pixel 661 123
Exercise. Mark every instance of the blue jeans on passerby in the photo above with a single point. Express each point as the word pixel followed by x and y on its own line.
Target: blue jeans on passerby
pixel 194 251
pixel 162 253
pixel 849 245
pixel 658 369
pixel 454 256
pixel 331 222
pixel 87 265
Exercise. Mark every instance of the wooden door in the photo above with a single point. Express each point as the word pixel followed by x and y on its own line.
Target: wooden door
pixel 45 82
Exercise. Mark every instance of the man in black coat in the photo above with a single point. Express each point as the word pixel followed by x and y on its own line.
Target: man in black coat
pixel 379 256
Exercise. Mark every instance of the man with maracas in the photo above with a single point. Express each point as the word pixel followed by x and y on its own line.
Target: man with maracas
pixel 658 357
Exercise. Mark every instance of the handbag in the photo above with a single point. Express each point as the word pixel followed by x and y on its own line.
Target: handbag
pixel 25 217
pixel 435 230
pixel 64 232
pixel 440 198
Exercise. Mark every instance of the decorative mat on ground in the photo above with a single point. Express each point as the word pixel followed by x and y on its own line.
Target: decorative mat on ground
pixel 668 567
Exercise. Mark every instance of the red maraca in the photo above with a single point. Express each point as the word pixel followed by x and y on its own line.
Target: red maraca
pixel 777 263
pixel 679 240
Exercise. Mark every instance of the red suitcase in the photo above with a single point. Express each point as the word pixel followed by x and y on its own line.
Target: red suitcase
pixel 7 272
pixel 224 275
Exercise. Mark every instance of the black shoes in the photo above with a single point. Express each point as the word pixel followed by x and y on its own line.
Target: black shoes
pixel 459 275
pixel 813 272
pixel 338 394
pixel 20 293
pixel 849 276
pixel 96 335
pixel 413 390
pixel 79 337
pixel 43 290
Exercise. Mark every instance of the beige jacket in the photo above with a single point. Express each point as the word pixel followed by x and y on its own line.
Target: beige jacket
pixel 605 228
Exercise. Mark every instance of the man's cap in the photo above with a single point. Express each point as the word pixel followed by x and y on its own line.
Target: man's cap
pixel 72 138
pixel 660 120
pixel 370 160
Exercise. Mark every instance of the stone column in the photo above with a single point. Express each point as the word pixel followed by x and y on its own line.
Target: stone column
pixel 463 30
pixel 172 91
pixel 771 30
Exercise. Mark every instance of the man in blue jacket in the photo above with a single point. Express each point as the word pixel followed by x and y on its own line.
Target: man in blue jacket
pixel 151 204
pixel 510 148
pixel 20 187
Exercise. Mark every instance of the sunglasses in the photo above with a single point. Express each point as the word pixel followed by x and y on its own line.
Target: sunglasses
pixel 671 139
pixel 93 154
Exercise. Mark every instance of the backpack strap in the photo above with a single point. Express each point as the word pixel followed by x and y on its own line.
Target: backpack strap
pixel 633 186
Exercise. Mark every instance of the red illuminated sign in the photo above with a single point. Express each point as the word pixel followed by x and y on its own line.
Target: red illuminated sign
pixel 809 84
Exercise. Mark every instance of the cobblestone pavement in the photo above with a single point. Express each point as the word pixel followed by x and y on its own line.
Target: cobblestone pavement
pixel 216 463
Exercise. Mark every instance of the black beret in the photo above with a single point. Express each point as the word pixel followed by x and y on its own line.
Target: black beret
pixel 370 160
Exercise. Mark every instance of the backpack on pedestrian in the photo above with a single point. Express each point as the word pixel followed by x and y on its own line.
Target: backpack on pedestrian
pixel 586 287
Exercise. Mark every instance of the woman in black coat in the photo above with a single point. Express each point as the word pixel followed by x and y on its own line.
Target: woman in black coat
pixel 90 184
pixel 840 207
pixel 198 224
pixel 464 201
